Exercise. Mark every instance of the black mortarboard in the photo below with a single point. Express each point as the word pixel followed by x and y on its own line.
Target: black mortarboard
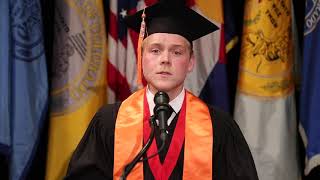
pixel 172 16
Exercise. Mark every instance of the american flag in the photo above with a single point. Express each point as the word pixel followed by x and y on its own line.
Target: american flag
pixel 209 52
pixel 122 42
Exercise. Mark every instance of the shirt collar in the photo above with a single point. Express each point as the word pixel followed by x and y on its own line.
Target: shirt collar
pixel 176 103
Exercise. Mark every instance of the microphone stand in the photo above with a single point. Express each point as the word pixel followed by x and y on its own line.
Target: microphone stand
pixel 127 169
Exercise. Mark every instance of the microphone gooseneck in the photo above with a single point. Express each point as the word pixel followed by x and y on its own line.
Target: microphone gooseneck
pixel 162 112
pixel 127 169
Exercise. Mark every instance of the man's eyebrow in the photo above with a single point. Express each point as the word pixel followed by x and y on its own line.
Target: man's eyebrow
pixel 179 45
pixel 154 44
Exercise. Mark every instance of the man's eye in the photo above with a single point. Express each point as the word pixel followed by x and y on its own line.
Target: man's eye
pixel 177 53
pixel 155 51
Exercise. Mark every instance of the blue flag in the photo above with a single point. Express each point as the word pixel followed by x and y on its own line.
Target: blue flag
pixel 25 82
pixel 5 138
pixel 310 96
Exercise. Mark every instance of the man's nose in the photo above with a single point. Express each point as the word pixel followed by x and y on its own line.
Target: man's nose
pixel 165 58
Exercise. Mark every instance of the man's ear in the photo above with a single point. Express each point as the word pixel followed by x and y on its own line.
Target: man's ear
pixel 191 62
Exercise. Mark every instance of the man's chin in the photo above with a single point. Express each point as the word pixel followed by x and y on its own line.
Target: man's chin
pixel 164 88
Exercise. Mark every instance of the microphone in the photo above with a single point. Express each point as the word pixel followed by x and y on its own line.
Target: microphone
pixel 162 112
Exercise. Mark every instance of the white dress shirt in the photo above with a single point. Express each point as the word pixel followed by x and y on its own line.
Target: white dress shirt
pixel 176 103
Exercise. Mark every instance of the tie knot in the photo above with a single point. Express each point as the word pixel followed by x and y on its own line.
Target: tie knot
pixel 171 110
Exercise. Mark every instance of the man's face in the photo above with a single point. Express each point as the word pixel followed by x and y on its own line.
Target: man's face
pixel 166 60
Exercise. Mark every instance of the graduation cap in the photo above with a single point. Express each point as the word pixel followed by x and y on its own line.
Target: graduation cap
pixel 168 16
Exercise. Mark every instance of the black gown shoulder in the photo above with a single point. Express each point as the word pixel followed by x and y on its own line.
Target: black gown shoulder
pixel 232 158
pixel 93 157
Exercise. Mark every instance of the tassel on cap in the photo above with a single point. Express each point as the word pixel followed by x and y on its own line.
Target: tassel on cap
pixel 139 49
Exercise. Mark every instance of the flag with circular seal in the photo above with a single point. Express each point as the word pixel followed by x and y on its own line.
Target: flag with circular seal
pixel 309 126
pixel 265 104
pixel 78 77
pixel 23 84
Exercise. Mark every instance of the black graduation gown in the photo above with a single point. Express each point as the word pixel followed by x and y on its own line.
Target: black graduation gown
pixel 93 158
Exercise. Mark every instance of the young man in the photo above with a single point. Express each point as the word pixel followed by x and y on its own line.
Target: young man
pixel 202 142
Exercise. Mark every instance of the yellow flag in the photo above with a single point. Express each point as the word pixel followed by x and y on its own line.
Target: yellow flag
pixel 265 103
pixel 78 78
pixel 206 8
pixel 266 54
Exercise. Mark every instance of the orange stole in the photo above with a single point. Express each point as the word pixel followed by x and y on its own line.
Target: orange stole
pixel 198 137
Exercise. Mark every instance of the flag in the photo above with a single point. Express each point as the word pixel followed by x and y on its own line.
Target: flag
pixel 233 13
pixel 233 20
pixel 5 78
pixel 24 84
pixel 265 104
pixel 310 85
pixel 208 80
pixel 209 53
pixel 122 45
pixel 78 77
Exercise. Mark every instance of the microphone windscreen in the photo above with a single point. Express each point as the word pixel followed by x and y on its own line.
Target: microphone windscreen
pixel 161 98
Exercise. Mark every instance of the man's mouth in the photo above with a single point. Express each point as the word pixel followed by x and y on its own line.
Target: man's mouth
pixel 164 73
